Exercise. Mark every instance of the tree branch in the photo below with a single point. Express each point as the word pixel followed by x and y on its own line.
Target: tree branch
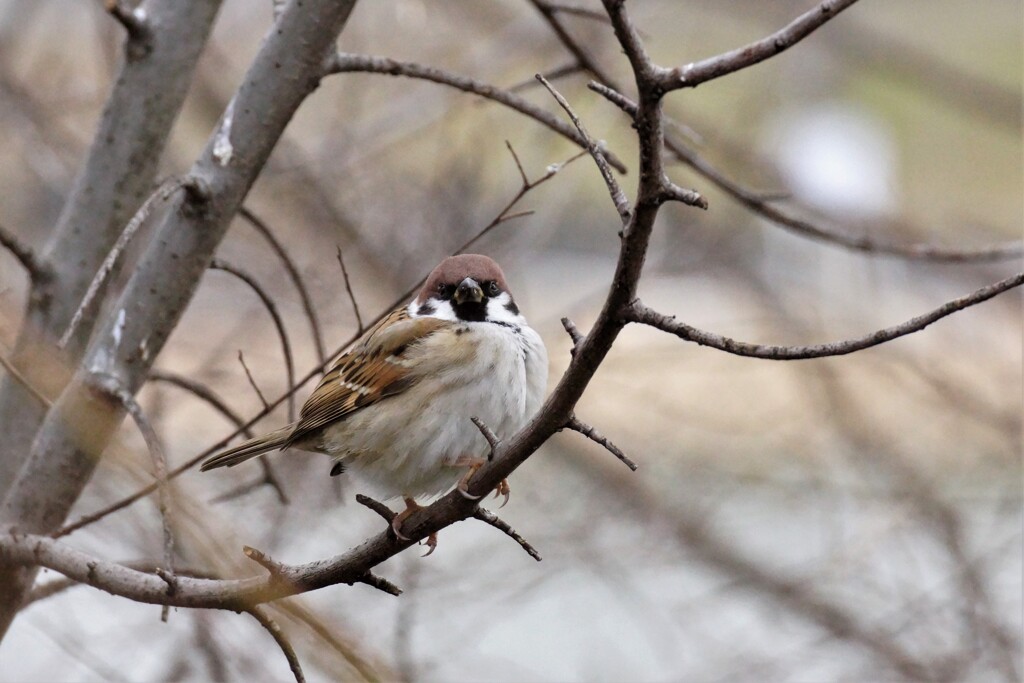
pixel 345 62
pixel 271 626
pixel 263 228
pixel 37 269
pixel 282 333
pixel 618 196
pixel 693 74
pixel 637 312
pixel 577 425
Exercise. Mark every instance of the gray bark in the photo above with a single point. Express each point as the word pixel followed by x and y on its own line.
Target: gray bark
pixel 117 175
pixel 74 433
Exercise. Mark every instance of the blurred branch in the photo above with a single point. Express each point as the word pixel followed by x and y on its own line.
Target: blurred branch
pixel 263 228
pixel 345 62
pixel 272 627
pixel 206 394
pixel 763 205
pixel 351 295
pixel 134 23
pixel 161 194
pixel 36 268
pixel 637 312
pixel 156 452
pixel 693 74
pixel 282 333
pixel 252 381
pixel 23 381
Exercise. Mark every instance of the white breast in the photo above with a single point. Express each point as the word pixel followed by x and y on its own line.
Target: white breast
pixel 405 444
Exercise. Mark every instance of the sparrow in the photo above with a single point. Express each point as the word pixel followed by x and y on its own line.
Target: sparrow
pixel 396 408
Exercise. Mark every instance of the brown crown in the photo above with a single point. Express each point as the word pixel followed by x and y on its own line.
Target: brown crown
pixel 455 269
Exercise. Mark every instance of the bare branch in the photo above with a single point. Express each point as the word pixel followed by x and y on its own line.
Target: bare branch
pixel 203 392
pixel 282 333
pixel 692 75
pixel 281 639
pixel 263 228
pixel 639 313
pixel 386 513
pixel 380 584
pixel 252 381
pixel 351 295
pixel 575 10
pixel 586 430
pixel 501 525
pixel 492 440
pixel 671 191
pixel 574 334
pixel 345 62
pixel 23 381
pixel 552 75
pixel 519 164
pixel 618 196
pixel 36 268
pixel 162 193
pixel 273 567
pixel 156 451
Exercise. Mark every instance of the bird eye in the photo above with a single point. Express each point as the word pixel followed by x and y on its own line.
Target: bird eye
pixel 446 291
pixel 493 288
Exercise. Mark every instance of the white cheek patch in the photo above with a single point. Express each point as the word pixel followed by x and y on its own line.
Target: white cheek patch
pixel 501 309
pixel 433 308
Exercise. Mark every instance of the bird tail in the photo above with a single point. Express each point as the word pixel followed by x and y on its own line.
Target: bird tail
pixel 249 449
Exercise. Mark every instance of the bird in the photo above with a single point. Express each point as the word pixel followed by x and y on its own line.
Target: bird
pixel 397 408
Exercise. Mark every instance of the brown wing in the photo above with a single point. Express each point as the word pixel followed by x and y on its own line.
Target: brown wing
pixel 372 370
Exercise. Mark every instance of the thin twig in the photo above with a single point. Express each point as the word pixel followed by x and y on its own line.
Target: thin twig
pixel 574 334
pixel 252 381
pixel 576 10
pixel 271 626
pixel 282 332
pixel 692 75
pixel 346 62
pixel 577 425
pixel 501 525
pixel 380 584
pixel 37 269
pixel 263 228
pixel 639 313
pixel 519 164
pixel 552 75
pixel 275 568
pixel 596 151
pixel 351 295
pixel 162 193
pixel 156 451
pixel 203 392
pixel 380 508
pixel 492 440
pixel 23 381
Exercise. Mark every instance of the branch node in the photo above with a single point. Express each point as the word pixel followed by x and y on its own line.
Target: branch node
pixel 672 192
pixel 488 517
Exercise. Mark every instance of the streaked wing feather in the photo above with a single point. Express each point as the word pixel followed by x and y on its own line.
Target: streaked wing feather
pixel 367 373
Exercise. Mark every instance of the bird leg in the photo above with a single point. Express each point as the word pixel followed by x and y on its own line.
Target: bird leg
pixel 502 489
pixel 411 506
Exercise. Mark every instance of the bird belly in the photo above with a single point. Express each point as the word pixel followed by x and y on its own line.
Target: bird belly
pixel 406 444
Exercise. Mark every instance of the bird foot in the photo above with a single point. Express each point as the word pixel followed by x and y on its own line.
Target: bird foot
pixel 474 464
pixel 412 506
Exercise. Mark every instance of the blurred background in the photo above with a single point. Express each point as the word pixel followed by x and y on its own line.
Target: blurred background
pixel 854 518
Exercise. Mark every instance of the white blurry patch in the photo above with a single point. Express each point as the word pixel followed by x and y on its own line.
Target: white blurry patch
pixel 222 149
pixel 836 158
pixel 118 330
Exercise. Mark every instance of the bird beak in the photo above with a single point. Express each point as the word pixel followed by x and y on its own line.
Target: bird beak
pixel 469 290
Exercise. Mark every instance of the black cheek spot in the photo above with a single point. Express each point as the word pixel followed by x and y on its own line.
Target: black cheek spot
pixel 512 308
pixel 339 468
pixel 426 309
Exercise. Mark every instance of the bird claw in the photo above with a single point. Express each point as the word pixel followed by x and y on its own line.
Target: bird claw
pixel 473 464
pixel 412 506
pixel 431 543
